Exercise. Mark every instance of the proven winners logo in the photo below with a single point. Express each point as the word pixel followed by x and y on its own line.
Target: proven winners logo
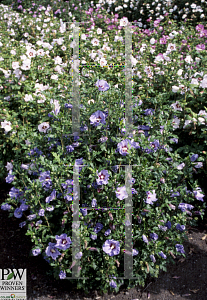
pixel 13 284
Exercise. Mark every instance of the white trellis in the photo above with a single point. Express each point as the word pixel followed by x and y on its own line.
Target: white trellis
pixel 128 259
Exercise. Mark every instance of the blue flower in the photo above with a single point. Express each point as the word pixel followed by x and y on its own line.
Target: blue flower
pixel 63 242
pixel 78 255
pixel 36 251
pixel 102 85
pixel 70 148
pixel 180 248
pixel 22 224
pixel 62 274
pixel 14 193
pixel 121 193
pixel 41 212
pixel 180 227
pixel 153 236
pixel 103 177
pixel 97 118
pixel 194 157
pixel 98 227
pixel 31 217
pixel 51 197
pixel 124 146
pixel 153 258
pixel 52 251
pixel 94 202
pixel 162 255
pixel 145 238
pixel 112 284
pixel 107 232
pixel 10 178
pixel 168 224
pixel 111 247
pixel 6 206
pixel 18 213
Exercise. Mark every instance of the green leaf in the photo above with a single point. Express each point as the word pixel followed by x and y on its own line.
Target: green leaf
pixel 10 276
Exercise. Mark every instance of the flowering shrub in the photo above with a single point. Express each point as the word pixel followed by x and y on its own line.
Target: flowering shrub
pixel 164 193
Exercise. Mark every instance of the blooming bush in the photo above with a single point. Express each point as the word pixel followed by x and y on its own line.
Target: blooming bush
pixel 41 154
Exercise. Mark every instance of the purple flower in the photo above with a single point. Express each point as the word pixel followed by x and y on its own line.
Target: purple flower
pixel 162 255
pixel 184 206
pixel 180 248
pixel 199 165
pixel 6 206
pixel 149 111
pixel 14 193
pixel 22 224
pixel 36 252
pixel 180 227
pixel 45 179
pixel 102 85
pixel 113 284
pixel 52 251
pixel 107 232
pixel 41 212
pixel 98 227
pixel 151 197
pixel 153 236
pixel 111 247
pixel 70 148
pixel 93 236
pixel 198 195
pixel 145 238
pixel 163 228
pixel 78 255
pixel 9 178
pixel 50 208
pixel 23 207
pixel 18 213
pixel 84 211
pixel 97 118
pixel 51 197
pixel 124 146
pixel 62 274
pixel 94 202
pixel 168 224
pixel 63 242
pixel 176 194
pixel 103 177
pixel 153 258
pixel 31 217
pixel 194 157
pixel 121 193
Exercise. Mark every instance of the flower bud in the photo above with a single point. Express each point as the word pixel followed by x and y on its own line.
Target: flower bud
pixel 110 216
pixel 162 180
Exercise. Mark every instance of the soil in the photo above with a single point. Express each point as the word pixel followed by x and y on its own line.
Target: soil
pixel 186 279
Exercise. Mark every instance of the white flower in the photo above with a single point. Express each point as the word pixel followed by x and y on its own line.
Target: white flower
pixel 58 60
pixel 63 48
pixel 175 89
pixel 181 166
pixel 201 120
pixel 171 47
pixel 26 64
pixel 6 125
pixel 194 81
pixel 28 98
pixel 176 106
pixel 13 52
pixel 95 42
pixel 27 142
pixel 9 166
pixel 55 77
pixel 103 62
pixel 203 83
pixel 134 61
pixel 15 65
pixel 188 59
pixel 83 37
pixel 31 52
pixel 203 113
pixel 179 72
pixel 176 122
pixel 124 21
pixel 152 41
pixel 99 31
pixel 40 52
pixel 187 122
pixel 43 127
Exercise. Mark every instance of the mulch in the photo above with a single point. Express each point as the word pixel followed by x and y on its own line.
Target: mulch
pixel 186 279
